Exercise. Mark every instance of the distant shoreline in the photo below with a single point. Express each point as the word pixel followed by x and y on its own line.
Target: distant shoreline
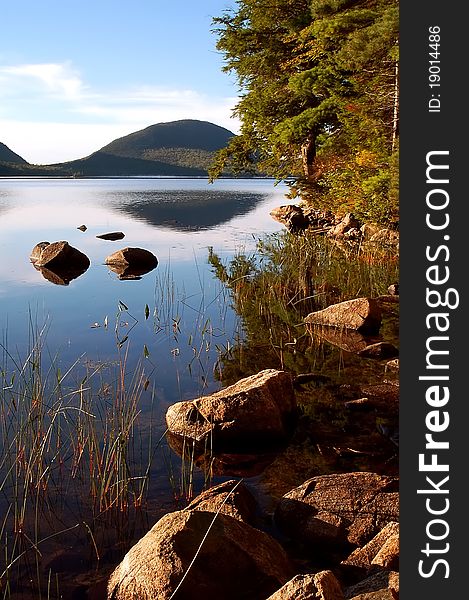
pixel 69 177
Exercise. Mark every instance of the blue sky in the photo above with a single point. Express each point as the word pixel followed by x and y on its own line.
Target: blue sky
pixel 74 75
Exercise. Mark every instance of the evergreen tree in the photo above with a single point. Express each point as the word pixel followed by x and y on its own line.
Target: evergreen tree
pixel 319 98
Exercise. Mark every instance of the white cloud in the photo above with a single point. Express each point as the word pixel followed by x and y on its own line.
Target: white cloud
pixel 49 114
pixel 59 79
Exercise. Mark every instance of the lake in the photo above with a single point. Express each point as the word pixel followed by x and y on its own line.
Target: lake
pixel 169 327
pixel 90 364
pixel 176 219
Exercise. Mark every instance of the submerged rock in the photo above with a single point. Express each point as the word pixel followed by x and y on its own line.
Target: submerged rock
pixel 234 560
pixel 59 276
pixel 254 411
pixel 360 314
pixel 380 350
pixel 345 339
pixel 231 464
pixel 384 396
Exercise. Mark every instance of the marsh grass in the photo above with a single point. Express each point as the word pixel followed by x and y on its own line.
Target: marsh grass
pixel 77 447
pixel 69 454
pixel 288 277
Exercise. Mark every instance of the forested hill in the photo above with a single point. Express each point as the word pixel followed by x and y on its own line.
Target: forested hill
pixel 179 148
pixel 185 134
pixel 7 155
pixel 186 145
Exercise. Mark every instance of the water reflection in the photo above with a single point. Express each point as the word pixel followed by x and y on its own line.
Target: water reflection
pixel 345 339
pixel 60 275
pixel 130 272
pixel 231 464
pixel 186 210
pixel 230 211
pixel 170 325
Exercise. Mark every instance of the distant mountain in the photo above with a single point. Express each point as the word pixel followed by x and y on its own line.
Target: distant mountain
pixel 188 133
pixel 188 143
pixel 7 155
pixel 14 165
pixel 178 149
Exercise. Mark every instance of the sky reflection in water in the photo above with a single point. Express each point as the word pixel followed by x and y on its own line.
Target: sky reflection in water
pixel 177 220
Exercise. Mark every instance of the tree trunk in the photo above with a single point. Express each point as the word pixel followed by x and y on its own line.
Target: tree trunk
pixel 395 116
pixel 308 152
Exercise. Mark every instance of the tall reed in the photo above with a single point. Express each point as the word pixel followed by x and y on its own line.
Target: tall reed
pixel 69 453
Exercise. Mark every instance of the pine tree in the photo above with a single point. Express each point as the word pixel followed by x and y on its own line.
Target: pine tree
pixel 319 98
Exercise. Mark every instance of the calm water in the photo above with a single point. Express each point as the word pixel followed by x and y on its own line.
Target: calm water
pixel 173 322
pixel 170 333
pixel 175 219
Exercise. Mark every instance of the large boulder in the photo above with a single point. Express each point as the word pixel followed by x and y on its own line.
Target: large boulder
pixel 255 411
pixel 232 560
pixel 368 230
pixel 340 510
pixel 292 216
pixel 131 263
pixel 230 498
pixel 360 314
pixel 392 365
pixel 320 586
pixel 134 257
pixel 59 256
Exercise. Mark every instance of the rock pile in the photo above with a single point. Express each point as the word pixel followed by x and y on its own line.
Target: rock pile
pixel 298 218
pixel 212 549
